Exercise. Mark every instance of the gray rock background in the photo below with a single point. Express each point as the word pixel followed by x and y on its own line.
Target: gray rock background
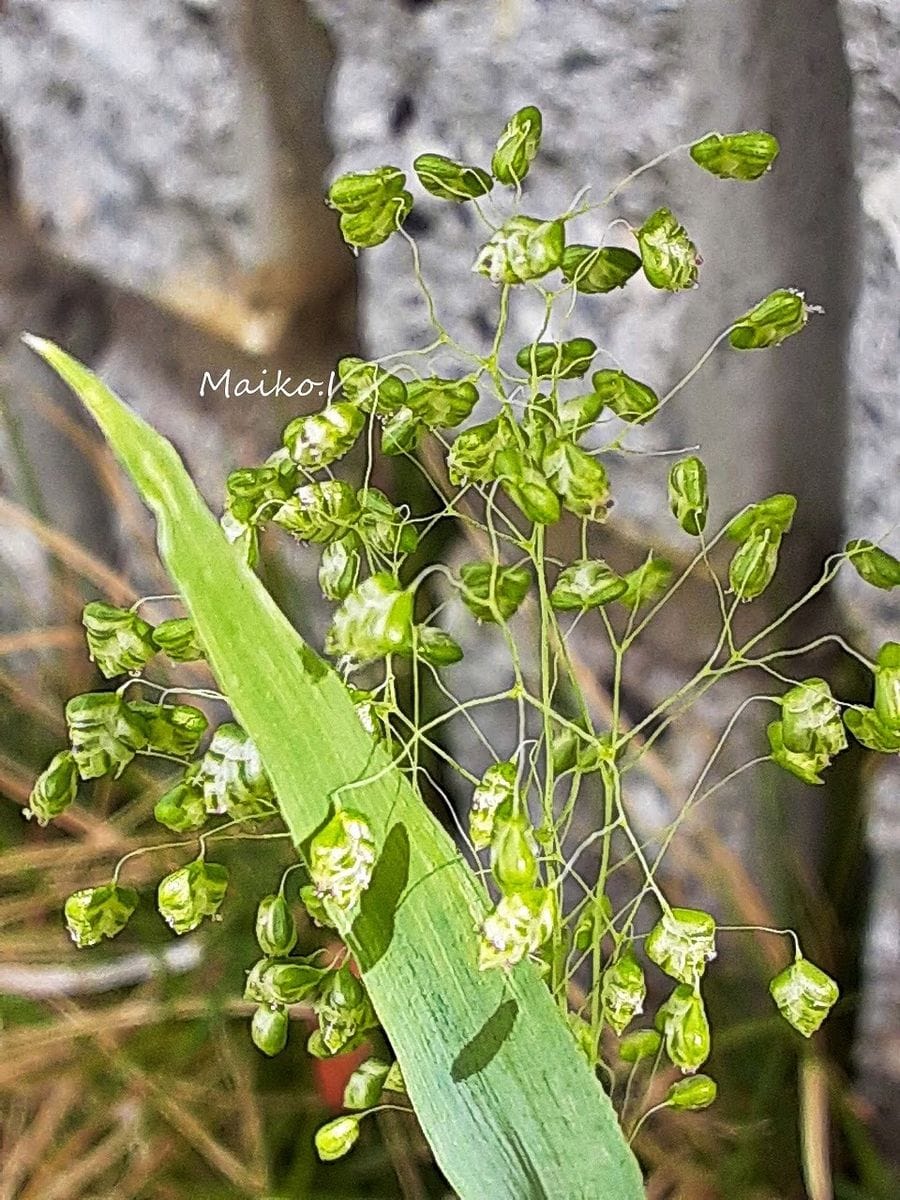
pixel 162 167
pixel 161 146
pixel 872 495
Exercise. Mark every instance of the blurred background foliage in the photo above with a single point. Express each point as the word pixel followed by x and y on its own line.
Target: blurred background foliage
pixel 161 217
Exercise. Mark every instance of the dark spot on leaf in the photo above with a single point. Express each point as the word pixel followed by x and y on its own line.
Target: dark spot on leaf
pixel 481 1049
pixel 315 667
pixel 374 926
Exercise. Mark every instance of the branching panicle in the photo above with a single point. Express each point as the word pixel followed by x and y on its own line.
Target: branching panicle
pixel 505 478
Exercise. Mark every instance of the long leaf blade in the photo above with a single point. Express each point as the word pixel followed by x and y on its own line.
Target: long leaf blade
pixel 505 1099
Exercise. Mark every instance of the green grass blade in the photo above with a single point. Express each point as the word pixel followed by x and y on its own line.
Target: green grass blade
pixel 506 1101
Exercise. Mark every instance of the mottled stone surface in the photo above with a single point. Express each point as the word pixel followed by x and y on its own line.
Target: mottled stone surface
pixel 160 182
pixel 878 1045
pixel 150 148
pixel 873 496
pixel 445 77
pixel 873 492
pixel 616 90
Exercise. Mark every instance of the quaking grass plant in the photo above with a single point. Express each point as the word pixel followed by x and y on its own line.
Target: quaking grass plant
pixel 495 984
